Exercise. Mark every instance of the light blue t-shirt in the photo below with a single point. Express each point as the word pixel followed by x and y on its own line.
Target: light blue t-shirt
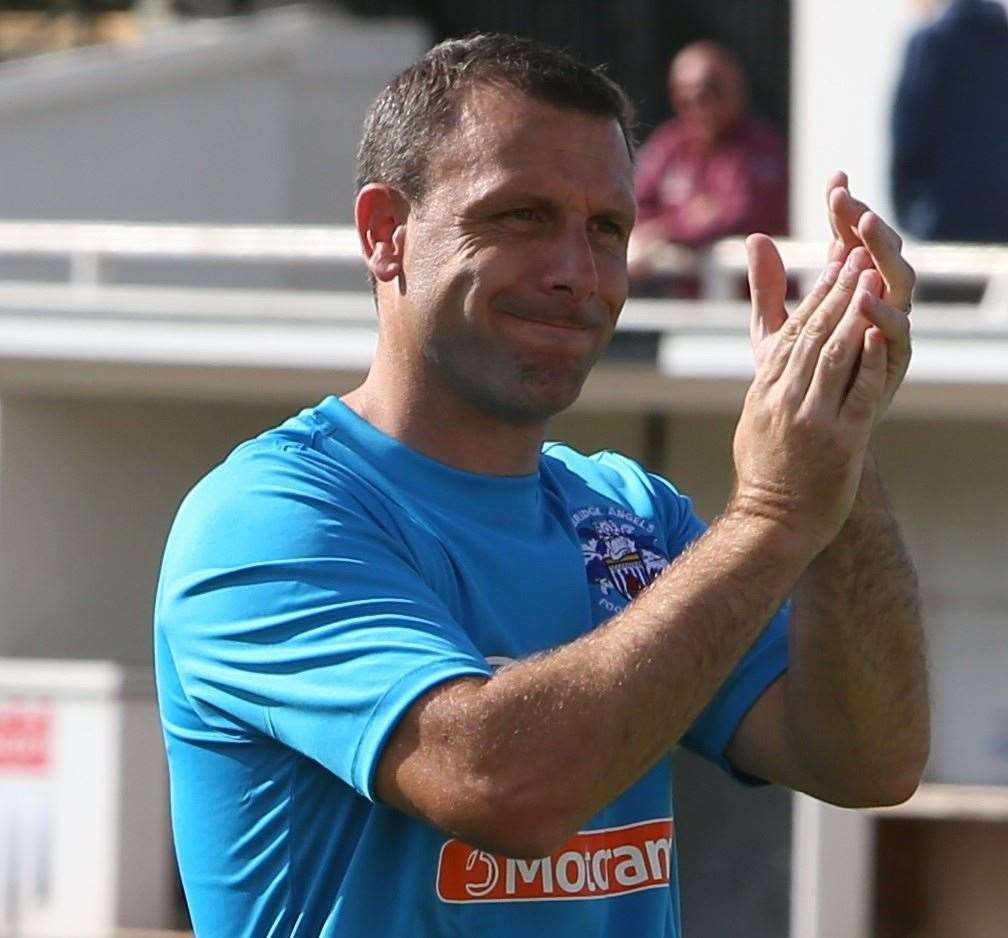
pixel 316 584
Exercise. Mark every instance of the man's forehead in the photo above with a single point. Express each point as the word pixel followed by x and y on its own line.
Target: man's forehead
pixel 503 135
pixel 502 117
pixel 699 65
pixel 696 67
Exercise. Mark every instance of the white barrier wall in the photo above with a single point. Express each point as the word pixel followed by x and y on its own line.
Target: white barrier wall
pixel 84 839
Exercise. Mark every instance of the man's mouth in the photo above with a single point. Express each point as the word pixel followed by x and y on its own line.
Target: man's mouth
pixel 559 320
pixel 559 334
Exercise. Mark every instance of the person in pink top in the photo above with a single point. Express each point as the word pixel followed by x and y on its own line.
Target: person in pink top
pixel 714 170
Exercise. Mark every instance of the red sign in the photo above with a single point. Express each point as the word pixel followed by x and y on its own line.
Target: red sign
pixel 25 738
pixel 591 865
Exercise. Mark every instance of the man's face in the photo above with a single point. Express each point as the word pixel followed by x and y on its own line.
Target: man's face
pixel 515 259
pixel 707 92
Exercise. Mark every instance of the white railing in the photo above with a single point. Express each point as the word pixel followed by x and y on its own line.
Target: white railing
pixel 88 247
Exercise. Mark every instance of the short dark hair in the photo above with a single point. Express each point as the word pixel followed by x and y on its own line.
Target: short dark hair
pixel 418 107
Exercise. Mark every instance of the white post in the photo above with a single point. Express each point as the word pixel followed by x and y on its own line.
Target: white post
pixel 86 269
pixel 993 307
pixel 832 871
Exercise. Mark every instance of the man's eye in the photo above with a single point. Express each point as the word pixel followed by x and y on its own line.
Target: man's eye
pixel 608 227
pixel 525 214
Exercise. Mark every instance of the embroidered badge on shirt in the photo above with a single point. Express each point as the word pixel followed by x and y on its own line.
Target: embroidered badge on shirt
pixel 621 553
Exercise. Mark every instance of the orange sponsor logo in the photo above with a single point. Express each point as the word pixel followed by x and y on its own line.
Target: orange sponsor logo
pixel 591 865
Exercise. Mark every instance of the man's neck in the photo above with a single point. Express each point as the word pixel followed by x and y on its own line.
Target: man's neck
pixel 445 428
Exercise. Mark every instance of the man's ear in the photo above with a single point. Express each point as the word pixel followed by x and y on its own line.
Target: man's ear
pixel 380 212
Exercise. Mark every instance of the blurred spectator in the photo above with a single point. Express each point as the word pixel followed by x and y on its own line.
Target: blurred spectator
pixel 950 127
pixel 713 170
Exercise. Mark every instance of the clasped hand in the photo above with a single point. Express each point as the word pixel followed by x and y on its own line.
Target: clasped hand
pixel 825 373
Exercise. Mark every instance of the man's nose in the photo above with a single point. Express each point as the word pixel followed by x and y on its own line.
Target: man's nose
pixel 570 267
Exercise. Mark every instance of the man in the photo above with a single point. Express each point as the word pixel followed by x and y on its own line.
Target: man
pixel 950 127
pixel 420 675
pixel 715 169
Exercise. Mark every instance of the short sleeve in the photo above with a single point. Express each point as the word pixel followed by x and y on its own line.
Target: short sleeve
pixel 292 611
pixel 765 661
pixel 681 524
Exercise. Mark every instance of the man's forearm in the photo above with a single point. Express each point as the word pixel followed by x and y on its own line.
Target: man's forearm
pixel 564 732
pixel 857 685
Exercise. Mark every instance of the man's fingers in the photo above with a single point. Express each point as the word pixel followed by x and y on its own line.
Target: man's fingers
pixel 839 356
pixel 894 324
pixel 853 223
pixel 868 388
pixel 837 180
pixel 820 290
pixel 788 333
pixel 767 287
pixel 807 342
pixel 886 246
pixel 844 213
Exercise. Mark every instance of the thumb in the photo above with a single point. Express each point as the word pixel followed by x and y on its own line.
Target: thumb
pixel 767 287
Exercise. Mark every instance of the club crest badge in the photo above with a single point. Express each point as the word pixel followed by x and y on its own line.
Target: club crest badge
pixel 621 553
